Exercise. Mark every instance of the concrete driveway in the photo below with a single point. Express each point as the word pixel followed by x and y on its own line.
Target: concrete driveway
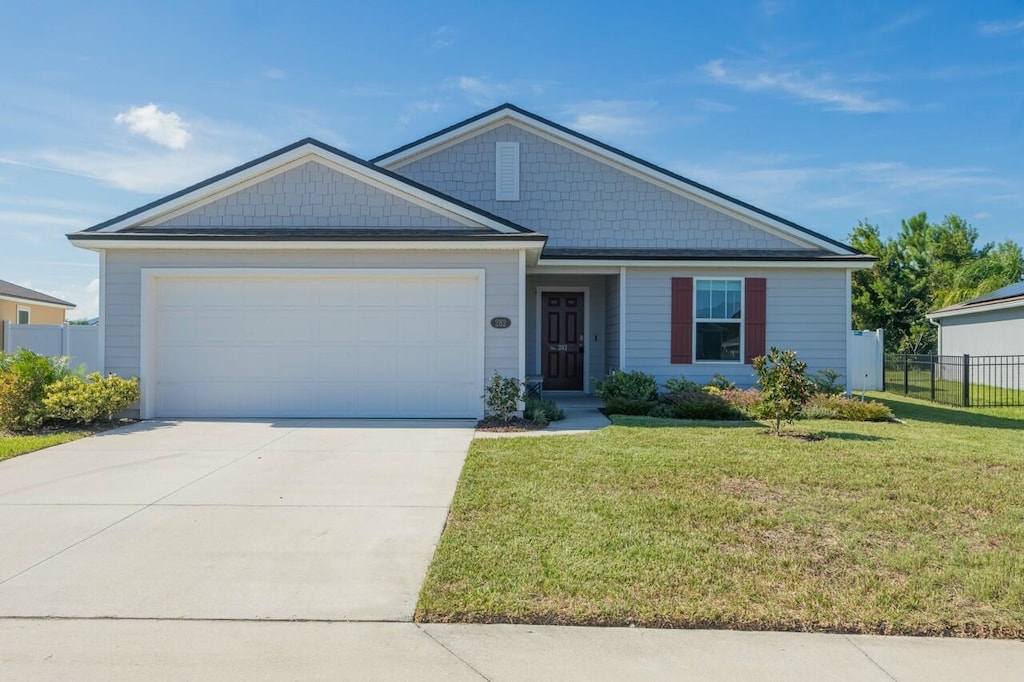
pixel 288 519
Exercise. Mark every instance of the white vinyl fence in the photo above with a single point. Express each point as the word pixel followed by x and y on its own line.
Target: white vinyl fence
pixel 867 360
pixel 79 342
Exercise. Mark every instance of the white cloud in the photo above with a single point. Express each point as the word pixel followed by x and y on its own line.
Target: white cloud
pixel 610 117
pixel 772 8
pixel 151 172
pixel 992 28
pixel 982 215
pixel 819 90
pixel 483 92
pixel 165 128
pixel 275 74
pixel 420 107
pixel 713 106
pixel 443 37
pixel 902 21
pixel 84 294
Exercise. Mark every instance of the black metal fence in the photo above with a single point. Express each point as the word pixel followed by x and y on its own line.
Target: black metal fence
pixel 963 380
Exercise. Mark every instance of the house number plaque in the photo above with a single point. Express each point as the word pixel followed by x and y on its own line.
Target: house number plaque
pixel 501 322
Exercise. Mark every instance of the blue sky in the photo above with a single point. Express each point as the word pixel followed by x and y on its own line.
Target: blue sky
pixel 825 113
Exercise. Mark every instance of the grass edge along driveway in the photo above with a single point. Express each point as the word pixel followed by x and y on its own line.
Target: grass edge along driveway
pixel 913 528
pixel 12 445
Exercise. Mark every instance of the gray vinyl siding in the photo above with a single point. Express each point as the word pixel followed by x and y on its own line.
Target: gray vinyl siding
pixel 582 202
pixel 312 195
pixel 806 312
pixel 123 299
pixel 993 332
pixel 594 348
pixel 612 291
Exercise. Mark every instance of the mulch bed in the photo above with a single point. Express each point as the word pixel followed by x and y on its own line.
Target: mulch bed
pixel 515 424
pixel 96 427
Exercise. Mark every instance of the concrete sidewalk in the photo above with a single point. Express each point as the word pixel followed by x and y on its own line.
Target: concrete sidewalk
pixel 581 416
pixel 251 650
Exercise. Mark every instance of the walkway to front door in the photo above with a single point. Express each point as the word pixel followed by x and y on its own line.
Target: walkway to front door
pixel 562 345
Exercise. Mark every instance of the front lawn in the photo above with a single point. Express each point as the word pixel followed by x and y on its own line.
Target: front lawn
pixel 914 528
pixel 12 446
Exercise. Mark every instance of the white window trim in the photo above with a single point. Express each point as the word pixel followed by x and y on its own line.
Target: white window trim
pixel 28 313
pixel 731 320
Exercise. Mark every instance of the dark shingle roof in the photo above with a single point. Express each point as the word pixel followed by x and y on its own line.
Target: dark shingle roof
pixel 614 150
pixel 700 254
pixel 284 150
pixel 15 291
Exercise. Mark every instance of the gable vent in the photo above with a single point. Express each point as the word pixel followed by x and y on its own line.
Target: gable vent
pixel 506 171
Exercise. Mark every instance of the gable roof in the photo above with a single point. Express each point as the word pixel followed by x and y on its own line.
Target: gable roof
pixel 1010 296
pixel 507 111
pixel 13 291
pixel 129 223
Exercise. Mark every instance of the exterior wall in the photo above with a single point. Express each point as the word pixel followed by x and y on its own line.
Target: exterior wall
pixel 611 324
pixel 594 348
pixel 38 314
pixel 996 332
pixel 311 195
pixel 123 300
pixel 806 312
pixel 579 201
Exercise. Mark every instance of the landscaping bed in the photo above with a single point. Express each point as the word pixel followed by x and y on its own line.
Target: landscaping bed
pixel 914 528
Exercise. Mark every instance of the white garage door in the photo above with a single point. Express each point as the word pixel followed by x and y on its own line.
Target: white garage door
pixel 352 344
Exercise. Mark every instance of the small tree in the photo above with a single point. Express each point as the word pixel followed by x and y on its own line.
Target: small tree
pixel 785 388
pixel 502 396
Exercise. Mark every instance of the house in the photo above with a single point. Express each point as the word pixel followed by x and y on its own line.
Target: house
pixel 21 305
pixel 991 324
pixel 311 283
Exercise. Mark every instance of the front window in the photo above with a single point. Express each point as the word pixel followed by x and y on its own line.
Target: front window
pixel 719 319
pixel 23 315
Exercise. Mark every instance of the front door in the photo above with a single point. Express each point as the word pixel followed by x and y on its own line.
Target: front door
pixel 562 341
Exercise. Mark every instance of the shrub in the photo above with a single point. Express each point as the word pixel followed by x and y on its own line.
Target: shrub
pixel 95 398
pixel 630 385
pixel 681 385
pixel 721 382
pixel 746 402
pixel 502 395
pixel 630 406
pixel 24 377
pixel 542 410
pixel 701 405
pixel 662 411
pixel 826 406
pixel 785 388
pixel 827 381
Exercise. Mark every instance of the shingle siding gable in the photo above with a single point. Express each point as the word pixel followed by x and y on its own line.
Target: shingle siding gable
pixel 311 195
pixel 582 202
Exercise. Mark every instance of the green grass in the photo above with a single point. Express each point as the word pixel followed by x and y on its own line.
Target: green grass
pixel 919 385
pixel 12 446
pixel 914 528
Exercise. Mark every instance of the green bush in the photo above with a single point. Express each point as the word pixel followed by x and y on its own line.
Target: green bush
pixel 827 381
pixel 826 406
pixel 785 388
pixel 681 385
pixel 24 377
pixel 701 405
pixel 502 396
pixel 721 382
pixel 746 402
pixel 630 406
pixel 95 398
pixel 542 410
pixel 630 385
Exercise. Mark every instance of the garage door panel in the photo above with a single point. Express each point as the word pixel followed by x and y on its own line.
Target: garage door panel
pixel 359 345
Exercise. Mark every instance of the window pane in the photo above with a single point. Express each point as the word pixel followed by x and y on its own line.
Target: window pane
pixel 732 306
pixel 718 341
pixel 703 298
pixel 22 317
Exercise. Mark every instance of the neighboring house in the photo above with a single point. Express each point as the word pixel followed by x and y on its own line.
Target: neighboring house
pixel 20 305
pixel 311 283
pixel 992 324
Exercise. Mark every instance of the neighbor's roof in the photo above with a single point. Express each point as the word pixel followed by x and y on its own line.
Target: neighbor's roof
pixel 1009 296
pixel 9 290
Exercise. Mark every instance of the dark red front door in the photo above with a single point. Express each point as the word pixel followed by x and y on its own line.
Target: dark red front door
pixel 562 341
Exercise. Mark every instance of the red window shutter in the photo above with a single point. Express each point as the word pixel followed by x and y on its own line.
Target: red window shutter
pixel 682 320
pixel 755 303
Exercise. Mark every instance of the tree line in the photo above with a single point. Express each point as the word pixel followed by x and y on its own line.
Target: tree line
pixel 924 267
